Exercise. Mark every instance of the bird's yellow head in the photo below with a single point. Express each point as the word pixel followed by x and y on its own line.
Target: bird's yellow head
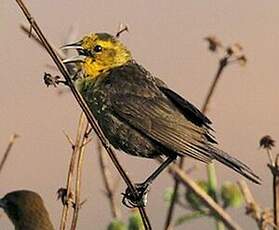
pixel 99 53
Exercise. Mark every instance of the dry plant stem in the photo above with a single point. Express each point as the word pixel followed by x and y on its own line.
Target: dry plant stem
pixel 254 210
pixel 84 107
pixel 275 173
pixel 70 175
pixel 7 151
pixel 203 196
pixel 222 64
pixel 107 178
pixel 80 154
pixel 250 202
pixel 270 157
pixel 173 200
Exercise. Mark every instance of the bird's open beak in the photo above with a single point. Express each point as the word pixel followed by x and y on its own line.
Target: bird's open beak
pixel 77 46
pixel 74 59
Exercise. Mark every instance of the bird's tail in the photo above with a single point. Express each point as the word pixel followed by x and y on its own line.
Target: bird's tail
pixel 234 164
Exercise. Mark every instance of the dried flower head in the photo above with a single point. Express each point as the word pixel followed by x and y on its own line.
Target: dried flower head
pixel 267 142
pixel 242 60
pixel 51 80
pixel 213 43
pixel 266 218
pixel 234 50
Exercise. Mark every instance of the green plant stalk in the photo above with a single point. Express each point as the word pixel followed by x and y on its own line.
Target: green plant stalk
pixel 212 184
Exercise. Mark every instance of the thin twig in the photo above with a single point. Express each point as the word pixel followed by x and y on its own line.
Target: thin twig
pixel 107 178
pixel 271 161
pixel 275 172
pixel 84 107
pixel 8 150
pixel 203 196
pixel 264 217
pixel 222 64
pixel 173 200
pixel 80 154
pixel 250 200
pixel 75 150
pixel 252 207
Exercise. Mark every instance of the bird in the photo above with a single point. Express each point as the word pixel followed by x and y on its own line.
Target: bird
pixel 137 112
pixel 26 210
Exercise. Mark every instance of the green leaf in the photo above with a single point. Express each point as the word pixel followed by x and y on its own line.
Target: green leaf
pixel 117 225
pixel 231 195
pixel 190 216
pixel 168 194
pixel 193 200
pixel 135 222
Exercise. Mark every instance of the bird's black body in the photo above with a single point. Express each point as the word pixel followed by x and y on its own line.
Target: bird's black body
pixel 141 116
pixel 129 105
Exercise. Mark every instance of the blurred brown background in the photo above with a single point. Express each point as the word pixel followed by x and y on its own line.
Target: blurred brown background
pixel 167 38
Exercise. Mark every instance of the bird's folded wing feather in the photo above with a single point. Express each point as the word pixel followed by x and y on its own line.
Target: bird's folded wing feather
pixel 189 110
pixel 157 118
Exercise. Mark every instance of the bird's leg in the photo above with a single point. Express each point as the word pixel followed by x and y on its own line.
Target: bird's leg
pixel 142 188
pixel 157 172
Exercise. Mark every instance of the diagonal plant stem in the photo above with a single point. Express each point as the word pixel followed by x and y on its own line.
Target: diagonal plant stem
pixel 222 64
pixel 8 150
pixel 252 207
pixel 107 178
pixel 83 106
pixel 212 178
pixel 203 196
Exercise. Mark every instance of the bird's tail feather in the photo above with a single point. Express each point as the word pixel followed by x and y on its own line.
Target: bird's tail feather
pixel 234 164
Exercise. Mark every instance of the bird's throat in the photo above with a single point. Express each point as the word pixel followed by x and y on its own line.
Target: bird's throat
pixel 92 69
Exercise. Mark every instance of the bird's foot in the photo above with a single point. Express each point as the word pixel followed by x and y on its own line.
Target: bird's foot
pixel 138 199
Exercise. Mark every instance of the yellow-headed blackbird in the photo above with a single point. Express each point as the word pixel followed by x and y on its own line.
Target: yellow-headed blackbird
pixel 26 210
pixel 137 112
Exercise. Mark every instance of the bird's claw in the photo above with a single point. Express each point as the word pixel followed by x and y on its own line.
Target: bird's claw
pixel 132 200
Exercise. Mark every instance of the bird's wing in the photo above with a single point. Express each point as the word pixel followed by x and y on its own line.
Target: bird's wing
pixel 156 117
pixel 189 110
pixel 139 100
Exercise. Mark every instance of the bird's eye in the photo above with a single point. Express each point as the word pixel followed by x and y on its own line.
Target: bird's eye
pixel 98 48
